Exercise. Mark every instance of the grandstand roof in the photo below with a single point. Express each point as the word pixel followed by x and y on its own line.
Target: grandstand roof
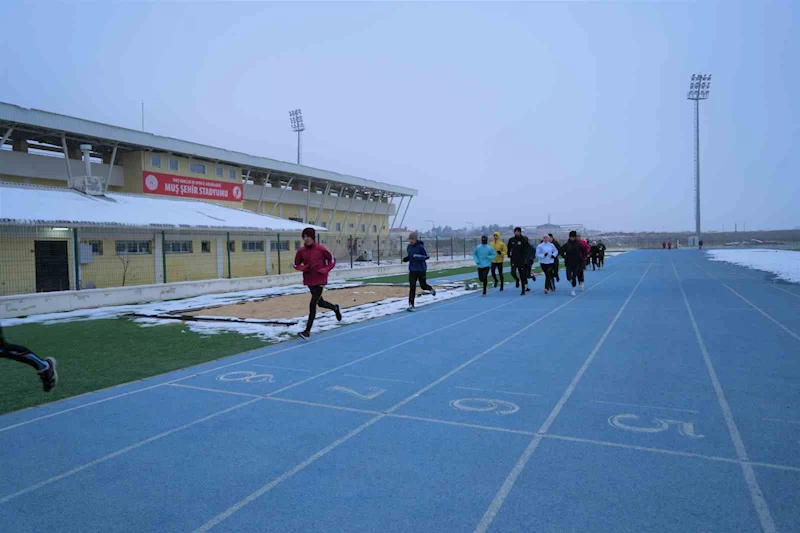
pixel 36 205
pixel 48 127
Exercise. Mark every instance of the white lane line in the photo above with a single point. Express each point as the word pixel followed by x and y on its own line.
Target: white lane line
pixel 646 406
pixel 296 346
pixel 289 473
pixel 532 433
pixel 511 479
pixel 9 497
pixel 379 379
pixel 283 368
pixel 501 391
pixel 324 405
pixel 286 475
pixel 221 391
pixel 784 328
pixel 399 344
pixel 784 421
pixel 759 502
pixel 774 286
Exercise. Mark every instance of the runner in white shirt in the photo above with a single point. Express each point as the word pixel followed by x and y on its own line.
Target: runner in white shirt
pixel 547 253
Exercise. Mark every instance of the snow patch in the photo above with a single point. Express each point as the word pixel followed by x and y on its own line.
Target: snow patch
pixel 785 264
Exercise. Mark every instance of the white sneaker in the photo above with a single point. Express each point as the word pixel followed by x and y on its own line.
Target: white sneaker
pixel 411 308
pixel 582 287
pixel 572 293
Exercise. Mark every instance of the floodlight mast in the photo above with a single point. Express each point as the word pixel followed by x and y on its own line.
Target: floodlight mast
pixel 699 88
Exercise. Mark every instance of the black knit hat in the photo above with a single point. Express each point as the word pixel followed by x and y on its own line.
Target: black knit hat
pixel 309 232
pixel 573 233
pixel 484 239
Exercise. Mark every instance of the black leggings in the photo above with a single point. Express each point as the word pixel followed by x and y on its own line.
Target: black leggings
pixel 413 277
pixel 21 354
pixel 601 259
pixel 520 273
pixel 495 267
pixel 483 275
pixel 594 262
pixel 575 274
pixel 549 274
pixel 316 300
pixel 555 270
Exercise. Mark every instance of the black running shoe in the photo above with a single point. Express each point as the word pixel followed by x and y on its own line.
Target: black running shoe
pixel 433 291
pixel 338 312
pixel 304 335
pixel 49 375
pixel 518 284
pixel 495 284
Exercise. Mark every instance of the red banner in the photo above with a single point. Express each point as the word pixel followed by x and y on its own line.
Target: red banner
pixel 170 185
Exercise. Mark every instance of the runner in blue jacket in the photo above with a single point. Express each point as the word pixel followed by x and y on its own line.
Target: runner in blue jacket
pixel 483 255
pixel 416 258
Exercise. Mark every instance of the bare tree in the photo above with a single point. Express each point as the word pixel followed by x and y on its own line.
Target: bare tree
pixel 126 263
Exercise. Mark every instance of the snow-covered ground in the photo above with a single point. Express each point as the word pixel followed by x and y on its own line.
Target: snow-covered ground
pixel 271 332
pixel 784 264
pixel 345 262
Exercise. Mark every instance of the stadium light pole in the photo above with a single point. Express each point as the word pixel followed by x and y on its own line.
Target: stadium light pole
pixel 699 88
pixel 433 225
pixel 296 119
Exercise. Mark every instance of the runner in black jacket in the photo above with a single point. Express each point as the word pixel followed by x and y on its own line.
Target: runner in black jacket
pixel 574 260
pixel 519 251
pixel 555 265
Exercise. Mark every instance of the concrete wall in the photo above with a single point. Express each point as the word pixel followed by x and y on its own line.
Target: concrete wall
pixel 42 167
pixel 56 302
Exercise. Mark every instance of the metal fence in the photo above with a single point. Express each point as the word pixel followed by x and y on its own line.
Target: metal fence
pixel 44 258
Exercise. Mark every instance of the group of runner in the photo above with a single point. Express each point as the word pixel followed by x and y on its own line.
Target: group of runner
pixel 577 253
pixel 315 262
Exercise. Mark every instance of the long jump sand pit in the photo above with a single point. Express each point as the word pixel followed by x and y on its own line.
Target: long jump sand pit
pixel 296 305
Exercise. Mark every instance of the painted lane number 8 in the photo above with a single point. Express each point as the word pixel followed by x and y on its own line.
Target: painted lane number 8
pixel 246 376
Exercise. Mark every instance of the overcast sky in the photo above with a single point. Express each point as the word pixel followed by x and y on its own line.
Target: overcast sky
pixel 496 112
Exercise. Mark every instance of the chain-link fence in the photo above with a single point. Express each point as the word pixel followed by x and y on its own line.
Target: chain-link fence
pixel 750 239
pixel 45 258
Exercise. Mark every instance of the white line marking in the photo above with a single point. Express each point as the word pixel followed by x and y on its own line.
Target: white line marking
pixel 500 391
pixel 182 386
pixel 531 433
pixel 511 479
pixel 325 405
pixel 379 352
pixel 767 523
pixel 646 406
pixel 784 290
pixel 117 453
pixel 296 346
pixel 784 328
pixel 288 474
pixel 379 379
pixel 283 368
pixel 784 421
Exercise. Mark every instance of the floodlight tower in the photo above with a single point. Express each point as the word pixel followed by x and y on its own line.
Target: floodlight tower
pixel 699 89
pixel 296 118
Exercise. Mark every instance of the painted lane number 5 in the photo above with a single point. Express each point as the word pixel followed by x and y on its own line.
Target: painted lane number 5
pixel 657 426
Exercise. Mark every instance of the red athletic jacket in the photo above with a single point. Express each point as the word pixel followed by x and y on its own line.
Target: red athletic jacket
pixel 314 262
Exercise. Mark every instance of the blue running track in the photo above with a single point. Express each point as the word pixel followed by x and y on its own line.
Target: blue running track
pixel 665 398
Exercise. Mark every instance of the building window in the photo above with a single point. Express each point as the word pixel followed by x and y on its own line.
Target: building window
pixel 252 246
pixel 155 161
pixel 205 247
pixel 232 173
pixel 97 247
pixel 297 245
pixel 273 245
pixel 133 247
pixel 338 226
pixel 374 228
pixel 231 246
pixel 363 227
pixel 197 168
pixel 178 247
pixel 296 219
pixel 174 165
pixel 220 172
pixel 324 224
pixel 351 225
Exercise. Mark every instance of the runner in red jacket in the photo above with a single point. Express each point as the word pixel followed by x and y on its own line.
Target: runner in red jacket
pixel 315 261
